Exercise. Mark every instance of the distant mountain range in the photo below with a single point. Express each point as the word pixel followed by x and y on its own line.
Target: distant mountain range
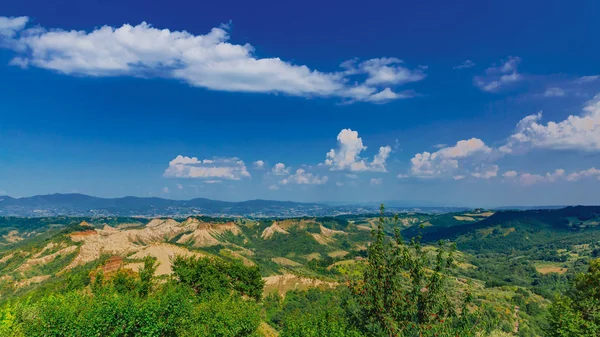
pixel 84 205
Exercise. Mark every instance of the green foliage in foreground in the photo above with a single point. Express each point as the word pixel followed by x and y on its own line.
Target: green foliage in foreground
pixel 214 275
pixel 129 304
pixel 172 310
pixel 578 313
pixel 404 293
pixel 313 312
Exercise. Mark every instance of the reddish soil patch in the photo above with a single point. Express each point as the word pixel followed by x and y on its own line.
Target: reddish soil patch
pixel 85 233
pixel 110 267
pixel 113 264
pixel 548 270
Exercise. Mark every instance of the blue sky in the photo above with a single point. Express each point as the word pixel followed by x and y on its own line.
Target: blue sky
pixel 317 101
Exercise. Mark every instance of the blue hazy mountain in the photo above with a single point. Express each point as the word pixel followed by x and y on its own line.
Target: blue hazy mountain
pixel 81 204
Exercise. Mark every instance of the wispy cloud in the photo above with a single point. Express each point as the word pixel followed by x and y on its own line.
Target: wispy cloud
pixel 301 177
pixel 10 26
pixel 591 172
pixel 214 181
pixel 587 79
pixel 209 61
pixel 220 168
pixel 486 172
pixel 526 178
pixel 465 64
pixel 498 77
pixel 376 181
pixel 554 92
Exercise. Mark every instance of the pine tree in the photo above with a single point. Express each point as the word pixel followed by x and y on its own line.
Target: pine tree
pixel 404 293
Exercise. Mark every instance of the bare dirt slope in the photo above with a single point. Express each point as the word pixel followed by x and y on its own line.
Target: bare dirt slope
pixel 151 239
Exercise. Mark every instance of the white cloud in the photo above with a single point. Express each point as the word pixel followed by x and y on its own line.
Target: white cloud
pixel 458 177
pixel 587 79
pixel 165 190
pixel 376 181
pixel 184 160
pixel 179 186
pixel 383 71
pixel 387 95
pixel 439 146
pixel 273 187
pixel 486 172
pixel 378 163
pixel 550 177
pixel 500 76
pixel 220 168
pixel 509 65
pixel 554 176
pixel 427 164
pixel 10 26
pixel 209 61
pixel 301 177
pixel 464 148
pixel 446 160
pixel 465 64
pixel 554 92
pixel 19 62
pixel 259 164
pixel 592 172
pixel 339 183
pixel 530 179
pixel 279 169
pixel 574 133
pixel 347 154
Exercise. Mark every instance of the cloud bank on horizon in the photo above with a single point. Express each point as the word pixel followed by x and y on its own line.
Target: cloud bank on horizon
pixel 473 157
pixel 208 61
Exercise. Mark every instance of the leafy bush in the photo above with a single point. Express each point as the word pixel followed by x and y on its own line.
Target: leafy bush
pixel 215 275
pixel 130 304
pixel 578 313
